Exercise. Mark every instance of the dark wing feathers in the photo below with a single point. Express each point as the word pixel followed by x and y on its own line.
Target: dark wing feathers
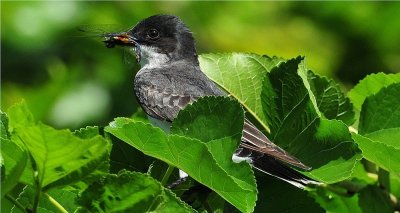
pixel 255 140
pixel 273 167
pixel 163 104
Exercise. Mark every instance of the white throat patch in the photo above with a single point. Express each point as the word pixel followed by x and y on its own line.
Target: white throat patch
pixel 150 58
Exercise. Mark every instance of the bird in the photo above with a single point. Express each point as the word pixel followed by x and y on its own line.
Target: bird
pixel 170 78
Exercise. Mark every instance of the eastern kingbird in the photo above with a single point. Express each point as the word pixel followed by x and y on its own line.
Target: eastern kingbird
pixel 170 78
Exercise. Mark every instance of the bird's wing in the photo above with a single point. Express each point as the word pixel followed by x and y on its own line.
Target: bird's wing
pixel 163 92
pixel 253 139
pixel 163 104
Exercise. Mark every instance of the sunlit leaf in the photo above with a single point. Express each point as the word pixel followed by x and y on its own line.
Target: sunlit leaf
pixel 383 154
pixel 58 153
pixel 379 128
pixel 19 115
pixel 65 198
pixel 241 75
pixel 381 111
pixel 13 162
pixel 369 86
pixel 13 159
pixel 59 156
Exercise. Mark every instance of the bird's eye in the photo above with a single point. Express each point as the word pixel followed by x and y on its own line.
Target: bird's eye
pixel 153 34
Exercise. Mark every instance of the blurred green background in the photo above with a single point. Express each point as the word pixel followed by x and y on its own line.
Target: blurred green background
pixel 70 80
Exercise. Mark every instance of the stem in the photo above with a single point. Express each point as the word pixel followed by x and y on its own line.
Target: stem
pixel 16 203
pixel 167 174
pixel 369 166
pixel 383 179
pixel 36 201
pixel 55 203
pixel 337 190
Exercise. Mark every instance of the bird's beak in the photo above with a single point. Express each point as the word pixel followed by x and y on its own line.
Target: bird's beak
pixel 121 39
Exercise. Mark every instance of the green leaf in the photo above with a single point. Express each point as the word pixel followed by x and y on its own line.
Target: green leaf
pixel 332 152
pixel 88 132
pixel 13 160
pixel 379 128
pixel 19 115
pixel 361 176
pixel 130 192
pixel 4 134
pixel 381 111
pixel 216 117
pixel 140 115
pixel 97 167
pixel 369 86
pixel 278 196
pixel 241 75
pixel 287 103
pixel 58 153
pixel 209 163
pixel 330 99
pixel 63 197
pixel 372 199
pixel 291 111
pixel 390 137
pixel 384 154
pixel 332 202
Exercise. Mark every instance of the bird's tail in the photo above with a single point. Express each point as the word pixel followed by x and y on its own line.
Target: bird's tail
pixel 271 166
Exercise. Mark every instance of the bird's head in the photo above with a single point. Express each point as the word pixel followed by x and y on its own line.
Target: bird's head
pixel 158 39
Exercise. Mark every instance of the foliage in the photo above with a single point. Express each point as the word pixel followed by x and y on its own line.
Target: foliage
pixel 50 170
pixel 46 61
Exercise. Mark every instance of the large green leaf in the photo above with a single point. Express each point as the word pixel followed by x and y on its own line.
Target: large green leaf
pixel 330 99
pixel 369 86
pixel 130 192
pixel 241 75
pixel 221 122
pixel 383 153
pixel 331 151
pixel 208 162
pixel 210 119
pixel 59 156
pixel 379 128
pixel 58 153
pixel 65 198
pixel 381 111
pixel 14 160
pixel 296 126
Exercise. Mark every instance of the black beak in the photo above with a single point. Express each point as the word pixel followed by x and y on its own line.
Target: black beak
pixel 122 39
